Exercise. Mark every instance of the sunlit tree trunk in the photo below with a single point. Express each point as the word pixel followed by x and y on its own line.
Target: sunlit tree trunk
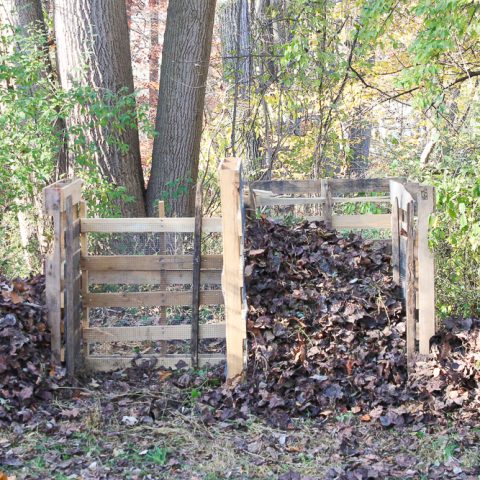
pixel 93 49
pixel 176 149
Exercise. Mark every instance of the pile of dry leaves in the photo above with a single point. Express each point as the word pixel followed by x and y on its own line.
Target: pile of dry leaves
pixel 24 349
pixel 327 334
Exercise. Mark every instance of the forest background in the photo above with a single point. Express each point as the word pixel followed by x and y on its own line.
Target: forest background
pixel 143 99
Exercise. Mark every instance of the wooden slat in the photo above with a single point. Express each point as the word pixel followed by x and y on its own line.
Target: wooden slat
pixel 82 210
pixel 426 270
pixel 266 201
pixel 381 221
pixel 148 262
pixel 339 186
pixel 162 250
pixel 149 225
pixel 197 252
pixel 72 295
pixel 151 299
pixel 327 209
pixel 395 242
pixel 53 272
pixel 153 333
pixel 165 277
pixel 410 284
pixel 232 279
pixel 110 363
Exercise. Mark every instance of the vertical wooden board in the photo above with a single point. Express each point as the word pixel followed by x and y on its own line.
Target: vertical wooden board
pixel 71 305
pixel 326 192
pixel 53 272
pixel 232 280
pixel 426 269
pixel 395 242
pixel 410 285
pixel 197 255
pixel 162 318
pixel 84 281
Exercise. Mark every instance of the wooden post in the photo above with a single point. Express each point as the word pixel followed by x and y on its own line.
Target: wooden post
pixel 53 275
pixel 197 253
pixel 162 250
pixel 395 241
pixel 232 276
pixel 426 270
pixel 72 290
pixel 327 206
pixel 83 210
pixel 410 284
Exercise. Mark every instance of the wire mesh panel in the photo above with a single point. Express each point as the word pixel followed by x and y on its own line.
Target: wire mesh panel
pixel 138 302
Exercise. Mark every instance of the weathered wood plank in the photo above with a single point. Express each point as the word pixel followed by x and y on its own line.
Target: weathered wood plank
pixel 381 221
pixel 71 342
pixel 110 363
pixel 197 252
pixel 60 191
pixel 232 278
pixel 272 201
pixel 410 284
pixel 161 277
pixel 426 270
pixel 151 299
pixel 150 333
pixel 338 185
pixel 149 225
pixel 148 262
pixel 327 209
pixel 395 242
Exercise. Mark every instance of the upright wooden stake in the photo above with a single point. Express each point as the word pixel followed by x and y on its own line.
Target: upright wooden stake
pixel 410 284
pixel 395 241
pixel 328 205
pixel 232 277
pixel 426 273
pixel 53 274
pixel 197 256
pixel 162 250
pixel 70 341
pixel 84 253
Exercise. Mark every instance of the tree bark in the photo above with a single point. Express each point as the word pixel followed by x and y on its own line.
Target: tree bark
pixel 176 149
pixel 24 14
pixel 93 49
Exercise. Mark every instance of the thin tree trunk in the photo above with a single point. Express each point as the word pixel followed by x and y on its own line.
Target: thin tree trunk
pixel 154 55
pixel 176 149
pixel 93 49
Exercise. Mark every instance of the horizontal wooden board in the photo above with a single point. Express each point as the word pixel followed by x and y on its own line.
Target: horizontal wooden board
pixel 150 299
pixel 147 225
pixel 358 221
pixel 261 201
pixel 337 185
pixel 153 333
pixel 165 277
pixel 109 363
pixel 149 262
pixel 271 200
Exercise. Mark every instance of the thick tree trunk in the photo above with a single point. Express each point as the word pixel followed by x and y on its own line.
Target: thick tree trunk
pixel 23 14
pixel 176 149
pixel 93 49
pixel 359 136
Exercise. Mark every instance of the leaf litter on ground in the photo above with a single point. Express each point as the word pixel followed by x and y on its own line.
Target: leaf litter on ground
pixel 326 333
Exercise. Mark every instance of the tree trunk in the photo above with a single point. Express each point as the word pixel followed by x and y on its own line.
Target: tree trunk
pixel 176 149
pixel 24 14
pixel 154 56
pixel 93 49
